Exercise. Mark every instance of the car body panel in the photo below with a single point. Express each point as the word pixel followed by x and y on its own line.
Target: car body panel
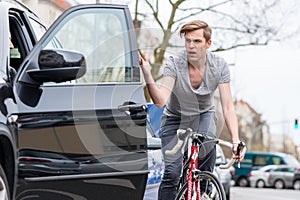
pixel 261 174
pixel 224 175
pixel 88 132
pixel 284 174
pixel 155 158
pixel 296 179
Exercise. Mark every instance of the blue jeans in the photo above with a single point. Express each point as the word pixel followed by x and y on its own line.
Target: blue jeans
pixel 204 123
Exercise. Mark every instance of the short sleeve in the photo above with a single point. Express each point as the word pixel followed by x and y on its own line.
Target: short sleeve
pixel 225 73
pixel 169 69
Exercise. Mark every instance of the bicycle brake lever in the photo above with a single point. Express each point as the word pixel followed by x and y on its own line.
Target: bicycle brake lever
pixel 240 147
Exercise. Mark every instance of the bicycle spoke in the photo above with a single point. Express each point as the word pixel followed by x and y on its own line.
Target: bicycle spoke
pixel 210 188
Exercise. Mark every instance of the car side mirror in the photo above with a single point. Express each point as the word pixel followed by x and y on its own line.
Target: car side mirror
pixel 57 65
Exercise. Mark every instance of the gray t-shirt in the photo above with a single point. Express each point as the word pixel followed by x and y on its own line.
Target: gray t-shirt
pixel 185 100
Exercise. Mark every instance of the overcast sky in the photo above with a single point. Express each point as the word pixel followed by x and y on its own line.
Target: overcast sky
pixel 268 78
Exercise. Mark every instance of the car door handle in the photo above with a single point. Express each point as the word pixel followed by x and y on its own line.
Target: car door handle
pixel 132 109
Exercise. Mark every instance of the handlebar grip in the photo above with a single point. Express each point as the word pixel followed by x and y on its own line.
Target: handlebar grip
pixel 175 149
pixel 228 164
pixel 240 148
pixel 182 135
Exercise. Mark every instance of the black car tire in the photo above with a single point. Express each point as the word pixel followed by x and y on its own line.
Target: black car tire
pixel 296 184
pixel 279 184
pixel 243 182
pixel 260 184
pixel 4 189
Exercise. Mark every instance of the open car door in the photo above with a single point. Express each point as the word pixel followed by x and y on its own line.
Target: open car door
pixel 81 112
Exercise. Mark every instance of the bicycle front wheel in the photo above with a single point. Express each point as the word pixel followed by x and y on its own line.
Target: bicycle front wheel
pixel 210 188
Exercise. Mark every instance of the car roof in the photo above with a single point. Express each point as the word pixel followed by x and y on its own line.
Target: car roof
pixel 265 153
pixel 19 5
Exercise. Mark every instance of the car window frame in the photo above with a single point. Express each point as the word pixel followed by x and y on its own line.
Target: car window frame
pixel 133 72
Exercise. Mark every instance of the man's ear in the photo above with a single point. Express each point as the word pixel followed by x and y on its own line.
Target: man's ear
pixel 208 43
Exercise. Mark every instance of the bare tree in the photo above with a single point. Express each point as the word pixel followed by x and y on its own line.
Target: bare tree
pixel 235 23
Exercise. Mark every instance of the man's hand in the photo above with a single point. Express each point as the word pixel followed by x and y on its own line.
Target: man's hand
pixel 144 63
pixel 142 58
pixel 239 149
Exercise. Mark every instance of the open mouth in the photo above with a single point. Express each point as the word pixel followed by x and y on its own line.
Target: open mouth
pixel 192 53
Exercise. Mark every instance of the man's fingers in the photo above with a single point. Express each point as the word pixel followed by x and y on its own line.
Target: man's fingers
pixel 141 59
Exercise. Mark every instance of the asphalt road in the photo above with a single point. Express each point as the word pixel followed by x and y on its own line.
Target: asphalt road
pixel 246 193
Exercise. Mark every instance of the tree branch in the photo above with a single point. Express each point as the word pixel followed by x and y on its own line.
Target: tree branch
pixel 155 14
pixel 241 45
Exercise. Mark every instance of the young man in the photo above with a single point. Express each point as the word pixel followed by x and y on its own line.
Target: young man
pixel 187 90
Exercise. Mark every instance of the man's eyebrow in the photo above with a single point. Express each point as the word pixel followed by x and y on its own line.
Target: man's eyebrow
pixel 195 39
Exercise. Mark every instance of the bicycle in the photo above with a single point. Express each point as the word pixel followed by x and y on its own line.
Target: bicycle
pixel 196 184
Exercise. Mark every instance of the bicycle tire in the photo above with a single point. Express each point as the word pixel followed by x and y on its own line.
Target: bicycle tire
pixel 215 193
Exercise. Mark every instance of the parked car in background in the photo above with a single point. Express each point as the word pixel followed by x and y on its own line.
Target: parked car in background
pixel 256 160
pixel 224 175
pixel 259 178
pixel 72 105
pixel 155 163
pixel 296 179
pixel 281 177
pixel 155 158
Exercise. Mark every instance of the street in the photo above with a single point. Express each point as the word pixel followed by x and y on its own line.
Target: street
pixel 247 193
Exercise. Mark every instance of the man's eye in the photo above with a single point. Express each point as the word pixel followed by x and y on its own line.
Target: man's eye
pixel 187 40
pixel 197 41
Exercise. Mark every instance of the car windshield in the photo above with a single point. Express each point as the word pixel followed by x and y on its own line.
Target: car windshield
pixel 290 160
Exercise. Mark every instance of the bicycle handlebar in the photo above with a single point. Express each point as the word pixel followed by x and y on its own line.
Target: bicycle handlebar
pixel 184 134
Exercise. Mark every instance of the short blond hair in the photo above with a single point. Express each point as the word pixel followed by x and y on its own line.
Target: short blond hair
pixel 195 25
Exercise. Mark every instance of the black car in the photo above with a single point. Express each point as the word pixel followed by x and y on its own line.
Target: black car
pixel 72 112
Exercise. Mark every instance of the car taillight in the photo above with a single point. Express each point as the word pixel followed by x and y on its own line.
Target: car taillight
pixel 232 171
pixel 32 159
pixel 297 170
pixel 249 175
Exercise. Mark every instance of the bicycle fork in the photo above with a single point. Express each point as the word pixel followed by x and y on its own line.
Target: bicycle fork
pixel 193 181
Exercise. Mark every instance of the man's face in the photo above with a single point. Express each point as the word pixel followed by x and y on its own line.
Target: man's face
pixel 11 45
pixel 196 45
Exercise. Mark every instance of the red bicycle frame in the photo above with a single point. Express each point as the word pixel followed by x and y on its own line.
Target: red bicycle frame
pixel 192 177
pixel 193 166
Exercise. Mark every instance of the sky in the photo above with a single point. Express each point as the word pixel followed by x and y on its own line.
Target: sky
pixel 268 78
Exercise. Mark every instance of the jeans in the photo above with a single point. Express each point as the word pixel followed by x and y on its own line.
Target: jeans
pixel 204 123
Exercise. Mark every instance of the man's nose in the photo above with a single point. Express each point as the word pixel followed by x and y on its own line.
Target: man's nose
pixel 191 44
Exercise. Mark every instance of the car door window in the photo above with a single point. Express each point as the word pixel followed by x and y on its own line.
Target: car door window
pixel 18 38
pixel 38 28
pixel 276 161
pixel 23 34
pixel 107 53
pixel 291 169
pixel 260 160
